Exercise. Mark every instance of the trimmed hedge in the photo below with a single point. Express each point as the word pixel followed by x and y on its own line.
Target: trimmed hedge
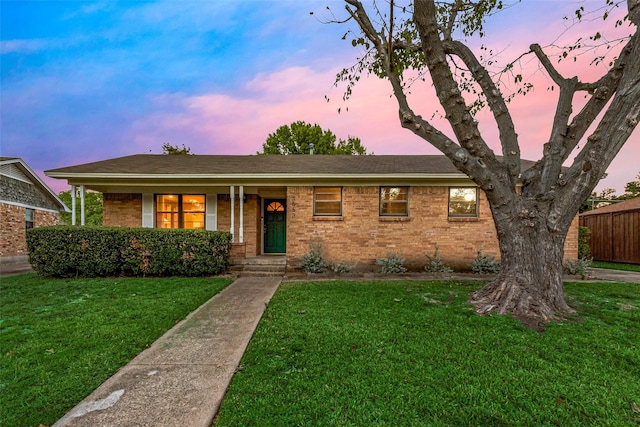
pixel 66 251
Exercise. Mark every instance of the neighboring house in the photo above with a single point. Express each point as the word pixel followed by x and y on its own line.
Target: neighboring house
pixel 25 202
pixel 614 231
pixel 360 207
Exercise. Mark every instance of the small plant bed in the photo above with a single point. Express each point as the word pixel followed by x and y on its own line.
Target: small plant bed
pixel 615 266
pixel 60 339
pixel 377 353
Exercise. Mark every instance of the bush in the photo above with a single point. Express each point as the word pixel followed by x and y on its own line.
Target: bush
pixel 393 263
pixel 584 240
pixel 578 266
pixel 342 267
pixel 312 262
pixel 65 251
pixel 435 264
pixel 484 264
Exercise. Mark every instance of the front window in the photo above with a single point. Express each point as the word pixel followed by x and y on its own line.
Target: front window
pixel 29 218
pixel 463 201
pixel 180 211
pixel 394 201
pixel 327 201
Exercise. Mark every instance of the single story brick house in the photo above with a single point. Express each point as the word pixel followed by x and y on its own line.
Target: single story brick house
pixel 25 202
pixel 359 207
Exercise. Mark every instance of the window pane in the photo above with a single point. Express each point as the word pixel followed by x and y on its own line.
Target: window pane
pixel 327 201
pixel 394 201
pixel 167 203
pixel 167 220
pixel 191 203
pixel 463 201
pixel 194 221
pixel 29 215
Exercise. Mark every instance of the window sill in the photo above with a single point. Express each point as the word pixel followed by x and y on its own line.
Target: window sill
pixel 464 219
pixel 394 219
pixel 328 218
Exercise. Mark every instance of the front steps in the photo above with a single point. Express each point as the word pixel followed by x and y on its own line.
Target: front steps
pixel 259 266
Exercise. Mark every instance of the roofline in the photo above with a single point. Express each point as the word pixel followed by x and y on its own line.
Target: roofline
pixel 36 178
pixel 255 176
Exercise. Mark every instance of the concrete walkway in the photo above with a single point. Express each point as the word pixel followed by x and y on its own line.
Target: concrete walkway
pixel 613 275
pixel 181 379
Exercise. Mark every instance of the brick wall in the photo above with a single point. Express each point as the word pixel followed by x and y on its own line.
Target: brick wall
pixel 252 221
pixel 122 210
pixel 362 236
pixel 13 228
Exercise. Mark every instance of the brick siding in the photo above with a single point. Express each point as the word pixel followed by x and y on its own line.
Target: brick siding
pixel 122 210
pixel 13 228
pixel 361 236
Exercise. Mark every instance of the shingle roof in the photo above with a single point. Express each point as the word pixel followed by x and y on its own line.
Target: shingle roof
pixel 149 164
pixel 627 205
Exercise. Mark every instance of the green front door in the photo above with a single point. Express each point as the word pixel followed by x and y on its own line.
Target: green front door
pixel 275 227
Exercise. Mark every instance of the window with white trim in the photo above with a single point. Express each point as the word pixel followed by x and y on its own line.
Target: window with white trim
pixel 394 201
pixel 327 201
pixel 463 201
pixel 180 211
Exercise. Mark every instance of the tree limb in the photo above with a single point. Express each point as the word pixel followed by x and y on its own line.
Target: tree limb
pixel 476 155
pixel 497 105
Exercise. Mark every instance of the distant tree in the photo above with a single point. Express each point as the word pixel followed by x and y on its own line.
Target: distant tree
pixel 175 149
pixel 632 189
pixel 608 196
pixel 598 200
pixel 297 138
pixel 92 208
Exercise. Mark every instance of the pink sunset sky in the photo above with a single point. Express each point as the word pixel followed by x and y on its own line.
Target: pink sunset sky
pixel 103 80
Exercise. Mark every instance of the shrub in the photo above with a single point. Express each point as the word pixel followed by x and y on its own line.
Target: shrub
pixel 584 240
pixel 435 264
pixel 342 267
pixel 65 251
pixel 312 261
pixel 578 266
pixel 484 264
pixel 393 263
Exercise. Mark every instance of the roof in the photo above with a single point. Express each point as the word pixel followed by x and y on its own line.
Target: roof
pixel 627 205
pixel 147 170
pixel 161 164
pixel 16 168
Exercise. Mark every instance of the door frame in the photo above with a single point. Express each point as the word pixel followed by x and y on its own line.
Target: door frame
pixel 265 203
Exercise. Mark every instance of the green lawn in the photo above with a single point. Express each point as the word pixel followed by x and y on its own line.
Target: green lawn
pixel 409 353
pixel 60 339
pixel 615 266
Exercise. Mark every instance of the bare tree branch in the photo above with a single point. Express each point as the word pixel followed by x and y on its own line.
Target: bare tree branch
pixel 476 155
pixel 497 104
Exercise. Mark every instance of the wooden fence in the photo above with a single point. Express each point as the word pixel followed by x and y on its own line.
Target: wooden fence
pixel 615 236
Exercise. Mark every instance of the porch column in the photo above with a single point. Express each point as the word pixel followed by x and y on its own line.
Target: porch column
pixel 232 194
pixel 73 205
pixel 241 201
pixel 82 205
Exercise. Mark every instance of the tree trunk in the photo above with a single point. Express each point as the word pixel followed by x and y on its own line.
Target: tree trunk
pixel 529 284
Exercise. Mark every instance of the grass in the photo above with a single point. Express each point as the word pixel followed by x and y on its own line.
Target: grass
pixel 409 353
pixel 60 339
pixel 615 266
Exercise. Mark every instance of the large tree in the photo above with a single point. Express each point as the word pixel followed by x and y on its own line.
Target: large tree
pixel 532 219
pixel 298 137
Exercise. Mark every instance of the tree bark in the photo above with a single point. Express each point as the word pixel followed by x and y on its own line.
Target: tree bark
pixel 529 284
